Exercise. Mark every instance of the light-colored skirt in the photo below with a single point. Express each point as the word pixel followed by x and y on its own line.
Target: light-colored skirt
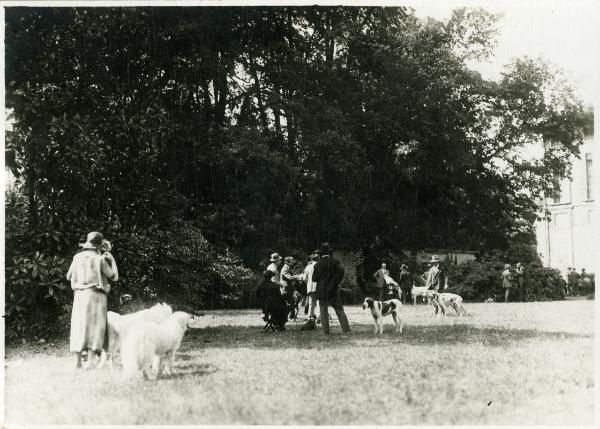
pixel 88 320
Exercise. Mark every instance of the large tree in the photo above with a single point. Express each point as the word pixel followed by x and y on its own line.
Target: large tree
pixel 275 128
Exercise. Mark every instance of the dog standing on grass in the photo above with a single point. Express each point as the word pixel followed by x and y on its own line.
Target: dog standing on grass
pixel 441 302
pixel 150 344
pixel 118 325
pixel 381 309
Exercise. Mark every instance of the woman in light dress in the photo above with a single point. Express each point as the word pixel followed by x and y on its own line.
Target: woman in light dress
pixel 89 274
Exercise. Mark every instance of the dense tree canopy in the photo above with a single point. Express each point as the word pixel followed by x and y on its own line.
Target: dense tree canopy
pixel 273 128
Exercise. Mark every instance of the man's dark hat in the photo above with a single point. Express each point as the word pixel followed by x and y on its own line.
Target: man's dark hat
pixel 324 248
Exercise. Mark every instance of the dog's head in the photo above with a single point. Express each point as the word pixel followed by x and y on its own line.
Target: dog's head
pixel 430 294
pixel 163 309
pixel 368 303
pixel 182 319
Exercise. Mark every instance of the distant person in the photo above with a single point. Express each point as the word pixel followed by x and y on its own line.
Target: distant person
pixel 270 294
pixel 287 281
pixel 89 273
pixel 582 282
pixel 435 276
pixel 405 282
pixel 328 274
pixel 574 281
pixel 520 274
pixel 507 280
pixel 568 284
pixel 311 290
pixel 380 278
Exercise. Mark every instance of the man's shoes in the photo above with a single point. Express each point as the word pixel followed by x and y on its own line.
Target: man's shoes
pixel 309 326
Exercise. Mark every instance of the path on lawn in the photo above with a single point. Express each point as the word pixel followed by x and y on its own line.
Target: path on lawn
pixel 518 363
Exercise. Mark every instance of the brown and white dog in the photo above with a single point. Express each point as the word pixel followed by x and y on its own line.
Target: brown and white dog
pixel 381 309
pixel 441 301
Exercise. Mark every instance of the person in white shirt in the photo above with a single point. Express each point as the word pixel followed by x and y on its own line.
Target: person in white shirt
pixel 311 287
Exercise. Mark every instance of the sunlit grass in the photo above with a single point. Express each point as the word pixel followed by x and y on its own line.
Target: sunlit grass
pixel 503 364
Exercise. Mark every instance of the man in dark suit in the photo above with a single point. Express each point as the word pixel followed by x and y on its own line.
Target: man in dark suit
pixel 328 274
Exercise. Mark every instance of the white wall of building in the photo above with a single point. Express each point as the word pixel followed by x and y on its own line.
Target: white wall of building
pixel 568 239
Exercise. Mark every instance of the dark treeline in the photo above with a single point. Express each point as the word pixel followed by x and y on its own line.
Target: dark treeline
pixel 243 130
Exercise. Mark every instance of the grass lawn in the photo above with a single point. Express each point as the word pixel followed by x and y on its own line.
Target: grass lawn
pixel 518 363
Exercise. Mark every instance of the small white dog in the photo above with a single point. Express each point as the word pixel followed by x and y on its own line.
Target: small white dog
pixel 120 324
pixel 441 301
pixel 381 309
pixel 417 291
pixel 153 344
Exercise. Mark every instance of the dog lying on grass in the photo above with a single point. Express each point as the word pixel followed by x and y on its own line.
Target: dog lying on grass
pixel 381 309
pixel 150 344
pixel 120 324
pixel 441 301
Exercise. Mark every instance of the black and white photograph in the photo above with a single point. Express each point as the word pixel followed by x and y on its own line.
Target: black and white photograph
pixel 300 213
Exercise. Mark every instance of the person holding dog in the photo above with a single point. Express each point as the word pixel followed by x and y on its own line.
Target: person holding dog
pixel 328 274
pixel 89 273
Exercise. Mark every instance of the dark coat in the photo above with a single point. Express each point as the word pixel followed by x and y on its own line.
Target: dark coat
pixel 272 302
pixel 328 274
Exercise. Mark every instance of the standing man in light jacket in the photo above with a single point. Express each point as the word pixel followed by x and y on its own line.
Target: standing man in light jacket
pixel 379 276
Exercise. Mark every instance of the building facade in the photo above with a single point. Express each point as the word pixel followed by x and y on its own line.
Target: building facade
pixel 568 239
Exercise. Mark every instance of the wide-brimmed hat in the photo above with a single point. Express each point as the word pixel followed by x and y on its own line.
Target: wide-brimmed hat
pixel 289 259
pixel 506 265
pixel 519 264
pixel 434 258
pixel 275 257
pixel 93 241
pixel 404 266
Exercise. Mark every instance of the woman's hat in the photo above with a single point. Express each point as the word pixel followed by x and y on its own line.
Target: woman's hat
pixel 506 266
pixel 434 258
pixel 93 241
pixel 519 264
pixel 275 257
pixel 288 259
pixel 404 266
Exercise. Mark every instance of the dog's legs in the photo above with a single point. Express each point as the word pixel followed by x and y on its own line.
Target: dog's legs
pixel 103 359
pixel 397 322
pixel 375 322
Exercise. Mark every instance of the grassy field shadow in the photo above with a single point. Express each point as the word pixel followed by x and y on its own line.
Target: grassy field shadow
pixel 442 334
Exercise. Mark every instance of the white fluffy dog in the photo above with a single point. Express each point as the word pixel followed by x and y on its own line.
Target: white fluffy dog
pixel 153 344
pixel 120 324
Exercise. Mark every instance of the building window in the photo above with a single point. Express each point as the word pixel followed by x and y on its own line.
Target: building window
pixel 561 191
pixel 556 190
pixel 588 175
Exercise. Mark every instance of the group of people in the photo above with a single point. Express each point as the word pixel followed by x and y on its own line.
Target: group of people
pixel 575 281
pixel 387 288
pixel 322 276
pixel 513 278
pixel 90 273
